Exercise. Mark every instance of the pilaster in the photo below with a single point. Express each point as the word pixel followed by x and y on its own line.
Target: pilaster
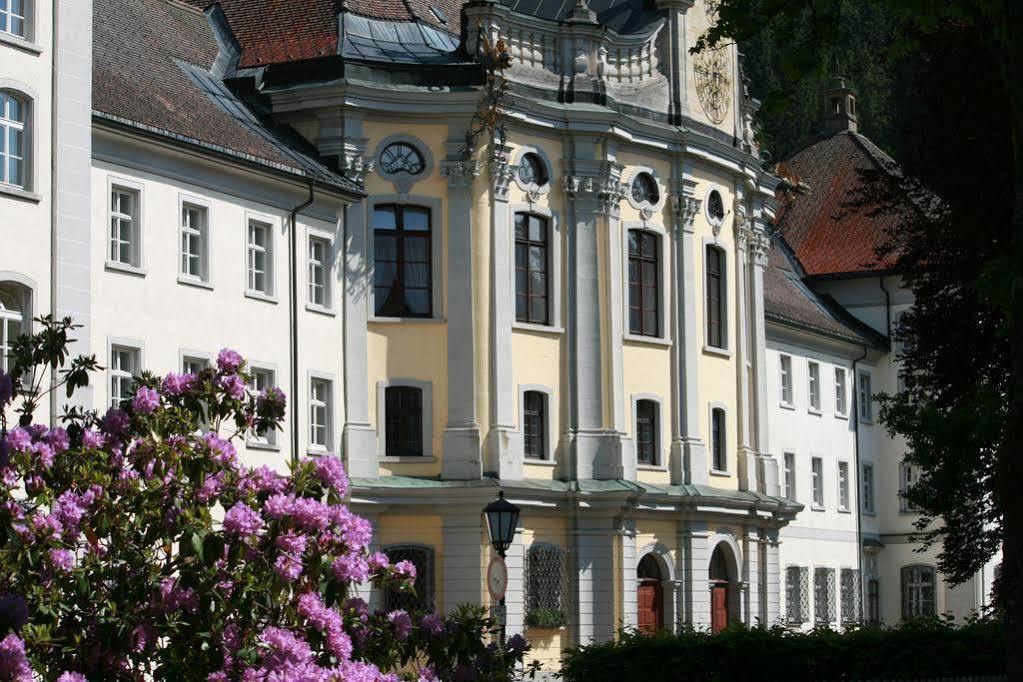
pixel 745 453
pixel 462 452
pixel 463 560
pixel 592 559
pixel 752 611
pixel 760 252
pixel 626 529
pixel 694 572
pixel 515 595
pixel 688 459
pixel 678 55
pixel 772 579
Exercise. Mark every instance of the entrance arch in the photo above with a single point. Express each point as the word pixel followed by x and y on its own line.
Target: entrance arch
pixel 724 581
pixel 649 596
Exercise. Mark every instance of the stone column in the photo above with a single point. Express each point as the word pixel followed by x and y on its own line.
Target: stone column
pixel 694 569
pixel 592 559
pixel 688 459
pixel 463 560
pixel 515 596
pixel 751 561
pixel 761 251
pixel 629 580
pixel 772 578
pixel 462 454
pixel 745 454
pixel 359 438
pixel 503 458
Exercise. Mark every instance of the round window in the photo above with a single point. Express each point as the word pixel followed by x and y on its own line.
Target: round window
pixel 716 206
pixel 644 189
pixel 532 170
pixel 401 157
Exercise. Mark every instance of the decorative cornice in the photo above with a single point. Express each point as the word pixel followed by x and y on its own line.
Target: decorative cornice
pixel 460 173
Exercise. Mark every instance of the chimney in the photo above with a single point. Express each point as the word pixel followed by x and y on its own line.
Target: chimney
pixel 840 107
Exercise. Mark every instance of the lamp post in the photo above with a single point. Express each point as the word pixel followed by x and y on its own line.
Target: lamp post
pixel 502 520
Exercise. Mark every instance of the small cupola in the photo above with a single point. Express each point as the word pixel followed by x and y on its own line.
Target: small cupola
pixel 840 107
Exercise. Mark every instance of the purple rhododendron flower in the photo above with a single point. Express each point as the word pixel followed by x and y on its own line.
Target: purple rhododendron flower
pixel 263 480
pixel 6 388
pixel 331 472
pixel 143 637
pixel 58 439
pixel 288 568
pixel 516 644
pixel 72 677
pixel 271 402
pixel 146 400
pixel 278 506
pixel 402 624
pixel 173 597
pixel 13 662
pixel 350 568
pixel 242 521
pixel 222 450
pixel 427 674
pixel 92 440
pixel 233 385
pixel 62 559
pixel 176 384
pixel 406 570
pixel 18 439
pixel 115 422
pixel 45 454
pixel 13 611
pixel 432 623
pixel 378 561
pixel 228 361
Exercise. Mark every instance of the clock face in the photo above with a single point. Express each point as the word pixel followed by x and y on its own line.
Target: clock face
pixel 712 69
pixel 497 577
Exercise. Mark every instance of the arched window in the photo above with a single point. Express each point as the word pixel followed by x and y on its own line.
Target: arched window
pixel 422 596
pixel 531 254
pixel 401 157
pixel 717 439
pixel 403 268
pixel 13 140
pixel 646 431
pixel 644 276
pixel 918 583
pixel 717 331
pixel 546 586
pixel 15 316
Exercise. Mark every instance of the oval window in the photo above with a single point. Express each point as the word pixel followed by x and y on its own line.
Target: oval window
pixel 644 189
pixel 532 170
pixel 401 157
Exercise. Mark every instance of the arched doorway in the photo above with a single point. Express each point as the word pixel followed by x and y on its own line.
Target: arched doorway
pixel 721 579
pixel 650 596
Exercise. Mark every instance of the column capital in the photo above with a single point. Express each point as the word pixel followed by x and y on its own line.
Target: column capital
pixel 745 237
pixel 686 208
pixel 600 181
pixel 460 172
pixel 356 166
pixel 760 246
pixel 501 171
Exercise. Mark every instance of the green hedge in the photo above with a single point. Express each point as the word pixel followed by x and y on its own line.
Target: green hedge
pixel 923 649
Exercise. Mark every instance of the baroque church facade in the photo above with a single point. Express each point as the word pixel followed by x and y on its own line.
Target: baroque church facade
pixel 586 312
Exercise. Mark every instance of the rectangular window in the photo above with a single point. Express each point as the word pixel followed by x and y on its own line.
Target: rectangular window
pixel 797 598
pixel 908 476
pixel 644 273
pixel 817 481
pixel 13 18
pixel 12 139
pixel 718 451
pixel 873 601
pixel 866 404
pixel 917 592
pixel 814 374
pixel 531 286
pixel 260 260
pixel 850 595
pixel 124 229
pixel 262 379
pixel 646 432
pixel 194 242
pixel 319 269
pixel 789 477
pixel 403 407
pixel 15 318
pixel 320 412
pixel 534 423
pixel 715 295
pixel 868 488
pixel 125 365
pixel 824 595
pixel 843 486
pixel 840 392
pixel 193 365
pixel 403 262
pixel 785 378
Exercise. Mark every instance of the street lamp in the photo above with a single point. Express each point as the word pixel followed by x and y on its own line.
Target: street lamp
pixel 502 520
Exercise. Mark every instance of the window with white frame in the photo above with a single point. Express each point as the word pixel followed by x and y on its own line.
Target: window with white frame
pixel 14 319
pixel 824 595
pixel 868 488
pixel 817 481
pixel 319 271
pixel 124 225
pixel 260 257
pixel 193 365
pixel 534 424
pixel 843 486
pixel 814 376
pixel 719 453
pixel 789 475
pixel 917 592
pixel 125 365
pixel 785 378
pixel 14 17
pixel 840 392
pixel 262 379
pixel 866 401
pixel 194 241
pixel 320 410
pixel 647 419
pixel 908 477
pixel 13 138
pixel 797 594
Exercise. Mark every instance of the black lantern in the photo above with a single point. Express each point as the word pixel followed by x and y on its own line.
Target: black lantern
pixel 502 520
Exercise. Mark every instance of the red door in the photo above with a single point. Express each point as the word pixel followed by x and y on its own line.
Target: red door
pixel 718 608
pixel 651 607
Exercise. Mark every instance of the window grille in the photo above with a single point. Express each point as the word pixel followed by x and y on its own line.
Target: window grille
pixel 850 595
pixel 546 586
pixel 797 594
pixel 646 432
pixel 421 597
pixel 534 420
pixel 824 595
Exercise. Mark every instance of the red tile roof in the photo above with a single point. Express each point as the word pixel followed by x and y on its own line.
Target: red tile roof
pixel 830 231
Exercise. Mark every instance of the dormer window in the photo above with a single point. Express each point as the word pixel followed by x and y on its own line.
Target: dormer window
pixel 644 189
pixel 401 157
pixel 532 170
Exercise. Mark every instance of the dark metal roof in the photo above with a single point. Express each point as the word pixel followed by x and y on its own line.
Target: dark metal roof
pixel 622 16
pixel 407 42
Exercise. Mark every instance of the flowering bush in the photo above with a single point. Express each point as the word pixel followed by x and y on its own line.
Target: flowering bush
pixel 136 546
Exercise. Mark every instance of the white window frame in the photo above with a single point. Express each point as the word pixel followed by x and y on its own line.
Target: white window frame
pixel 252 250
pixel 202 233
pixel 789 475
pixel 841 393
pixel 324 405
pixel 554 318
pixel 813 383
pixel 868 487
pixel 785 396
pixel 119 375
pixel 22 126
pixel 26 21
pixel 188 357
pixel 24 293
pixel 817 483
pixel 844 487
pixel 712 407
pixel 326 268
pixel 550 410
pixel 912 591
pixel 907 477
pixel 134 190
pixel 659 463
pixel 266 440
pixel 865 402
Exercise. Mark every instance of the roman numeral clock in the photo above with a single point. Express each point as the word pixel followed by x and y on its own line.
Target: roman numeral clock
pixel 713 75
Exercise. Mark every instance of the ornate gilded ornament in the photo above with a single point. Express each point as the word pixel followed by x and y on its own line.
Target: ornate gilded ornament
pixel 712 69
